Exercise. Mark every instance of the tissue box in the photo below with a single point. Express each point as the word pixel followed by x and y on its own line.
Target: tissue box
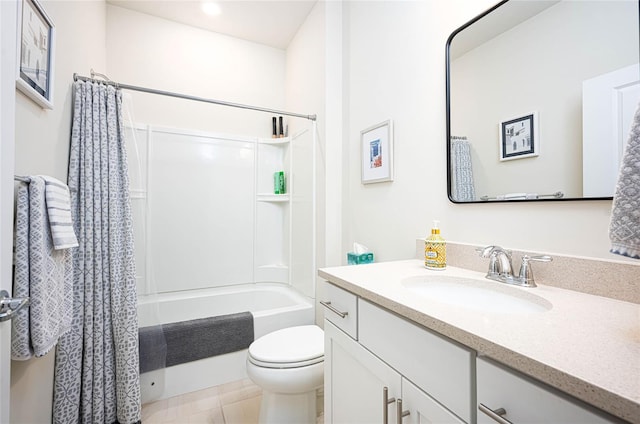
pixel 355 259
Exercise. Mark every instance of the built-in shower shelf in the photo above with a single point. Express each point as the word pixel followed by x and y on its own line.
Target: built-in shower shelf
pixel 274 266
pixel 274 198
pixel 283 140
pixel 275 273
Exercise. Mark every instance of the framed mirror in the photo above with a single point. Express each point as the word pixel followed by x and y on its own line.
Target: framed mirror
pixel 540 98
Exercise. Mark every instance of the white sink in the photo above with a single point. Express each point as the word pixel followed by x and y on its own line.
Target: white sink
pixel 476 294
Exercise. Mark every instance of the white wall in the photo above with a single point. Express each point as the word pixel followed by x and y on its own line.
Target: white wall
pixel 529 69
pixel 305 85
pixel 396 62
pixel 173 57
pixel 211 65
pixel 42 136
pixel 42 147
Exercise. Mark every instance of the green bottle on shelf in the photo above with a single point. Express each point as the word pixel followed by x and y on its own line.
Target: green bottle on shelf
pixel 279 186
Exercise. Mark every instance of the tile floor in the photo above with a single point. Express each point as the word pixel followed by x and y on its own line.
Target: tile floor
pixel 237 402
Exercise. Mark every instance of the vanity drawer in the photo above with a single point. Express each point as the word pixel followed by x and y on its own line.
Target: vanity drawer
pixel 341 308
pixel 525 400
pixel 438 366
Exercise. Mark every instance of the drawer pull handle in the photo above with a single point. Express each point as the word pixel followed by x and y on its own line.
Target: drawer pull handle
pixel 385 404
pixel 334 310
pixel 401 413
pixel 494 414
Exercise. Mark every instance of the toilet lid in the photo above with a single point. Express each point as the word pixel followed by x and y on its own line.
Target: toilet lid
pixel 289 347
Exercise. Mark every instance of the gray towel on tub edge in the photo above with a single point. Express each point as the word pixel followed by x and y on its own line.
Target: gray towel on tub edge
pixel 192 340
pixel 153 348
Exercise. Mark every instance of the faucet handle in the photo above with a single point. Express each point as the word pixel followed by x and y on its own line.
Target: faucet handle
pixel 539 258
pixel 526 273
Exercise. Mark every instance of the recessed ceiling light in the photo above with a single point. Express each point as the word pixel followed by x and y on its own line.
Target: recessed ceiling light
pixel 210 8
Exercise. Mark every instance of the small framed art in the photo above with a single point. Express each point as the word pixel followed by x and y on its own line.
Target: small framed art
pixel 519 137
pixel 377 153
pixel 36 40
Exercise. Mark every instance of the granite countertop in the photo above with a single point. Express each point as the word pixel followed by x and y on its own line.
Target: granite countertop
pixel 587 346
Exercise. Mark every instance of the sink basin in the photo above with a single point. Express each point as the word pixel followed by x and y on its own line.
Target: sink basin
pixel 478 295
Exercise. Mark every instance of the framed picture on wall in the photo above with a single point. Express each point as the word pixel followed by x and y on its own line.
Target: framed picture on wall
pixel 36 40
pixel 377 153
pixel 519 137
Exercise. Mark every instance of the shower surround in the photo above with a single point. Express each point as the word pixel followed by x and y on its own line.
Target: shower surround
pixel 212 239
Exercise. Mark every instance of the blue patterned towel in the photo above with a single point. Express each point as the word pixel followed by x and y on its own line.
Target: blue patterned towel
pixel 624 230
pixel 41 273
pixel 59 212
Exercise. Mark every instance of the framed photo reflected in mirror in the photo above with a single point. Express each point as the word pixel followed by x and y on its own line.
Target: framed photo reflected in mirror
pixel 519 137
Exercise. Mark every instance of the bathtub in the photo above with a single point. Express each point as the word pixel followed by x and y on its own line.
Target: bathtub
pixel 274 306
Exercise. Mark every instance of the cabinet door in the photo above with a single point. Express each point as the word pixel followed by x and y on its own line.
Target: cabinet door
pixel 422 408
pixel 524 400
pixel 440 367
pixel 354 382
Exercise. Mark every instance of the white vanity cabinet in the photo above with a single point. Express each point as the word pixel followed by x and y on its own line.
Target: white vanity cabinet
pixel 360 388
pixel 354 382
pixel 438 366
pixel 416 370
pixel 518 399
pixel 432 379
pixel 462 364
pixel 422 408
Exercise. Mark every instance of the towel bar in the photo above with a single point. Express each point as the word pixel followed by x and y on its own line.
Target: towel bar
pixel 9 306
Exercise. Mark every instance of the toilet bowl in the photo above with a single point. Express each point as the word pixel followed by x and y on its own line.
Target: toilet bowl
pixel 288 365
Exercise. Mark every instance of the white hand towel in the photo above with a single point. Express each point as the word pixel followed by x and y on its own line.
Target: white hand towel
pixel 42 273
pixel 59 212
pixel 624 230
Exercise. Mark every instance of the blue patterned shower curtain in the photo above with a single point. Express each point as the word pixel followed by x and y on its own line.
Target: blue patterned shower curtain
pixel 463 189
pixel 97 372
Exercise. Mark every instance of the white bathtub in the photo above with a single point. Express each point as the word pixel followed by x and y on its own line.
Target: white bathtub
pixel 273 306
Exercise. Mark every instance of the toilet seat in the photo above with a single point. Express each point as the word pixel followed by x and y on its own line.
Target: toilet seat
pixel 292 347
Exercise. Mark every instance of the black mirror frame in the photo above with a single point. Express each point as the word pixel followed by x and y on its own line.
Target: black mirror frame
pixel 448 119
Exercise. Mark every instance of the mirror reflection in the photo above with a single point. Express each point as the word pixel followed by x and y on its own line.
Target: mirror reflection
pixel 540 97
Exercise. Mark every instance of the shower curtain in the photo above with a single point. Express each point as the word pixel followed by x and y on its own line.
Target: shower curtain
pixel 463 189
pixel 97 372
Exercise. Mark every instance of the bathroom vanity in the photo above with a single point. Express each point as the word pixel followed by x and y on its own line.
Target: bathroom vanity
pixel 408 340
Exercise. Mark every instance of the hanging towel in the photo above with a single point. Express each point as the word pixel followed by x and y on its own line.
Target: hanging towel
pixel 42 273
pixel 463 189
pixel 59 213
pixel 624 230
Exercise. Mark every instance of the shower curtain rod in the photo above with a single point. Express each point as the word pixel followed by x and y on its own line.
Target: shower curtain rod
pixel 77 77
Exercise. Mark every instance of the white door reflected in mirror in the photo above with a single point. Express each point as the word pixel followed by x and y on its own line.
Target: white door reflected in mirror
pixel 609 104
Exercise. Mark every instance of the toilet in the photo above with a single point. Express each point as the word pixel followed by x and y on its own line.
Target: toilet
pixel 288 365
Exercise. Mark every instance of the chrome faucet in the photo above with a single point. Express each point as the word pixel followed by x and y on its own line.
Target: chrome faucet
pixel 501 268
pixel 499 262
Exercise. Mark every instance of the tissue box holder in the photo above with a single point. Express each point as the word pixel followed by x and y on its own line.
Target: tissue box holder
pixel 355 259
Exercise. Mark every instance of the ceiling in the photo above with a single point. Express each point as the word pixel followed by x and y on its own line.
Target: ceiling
pixel 273 23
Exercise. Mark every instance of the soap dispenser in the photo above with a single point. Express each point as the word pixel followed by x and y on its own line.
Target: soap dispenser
pixel 435 249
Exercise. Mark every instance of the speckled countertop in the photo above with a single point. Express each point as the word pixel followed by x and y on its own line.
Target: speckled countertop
pixel 585 345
